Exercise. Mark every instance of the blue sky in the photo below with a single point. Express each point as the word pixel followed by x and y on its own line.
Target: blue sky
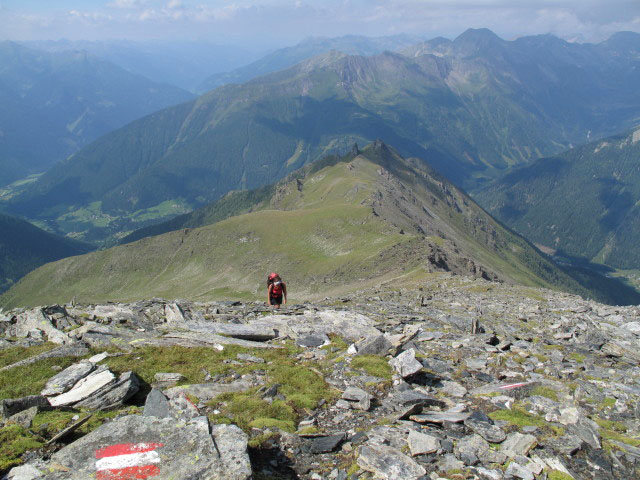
pixel 273 22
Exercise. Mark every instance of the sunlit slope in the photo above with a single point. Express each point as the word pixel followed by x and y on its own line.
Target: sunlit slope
pixel 368 217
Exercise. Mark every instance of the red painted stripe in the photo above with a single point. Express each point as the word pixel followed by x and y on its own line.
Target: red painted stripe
pixel 515 385
pixel 126 448
pixel 129 473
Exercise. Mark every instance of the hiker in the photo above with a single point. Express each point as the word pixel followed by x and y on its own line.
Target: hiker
pixel 277 290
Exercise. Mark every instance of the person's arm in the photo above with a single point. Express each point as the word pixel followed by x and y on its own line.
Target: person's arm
pixel 269 294
pixel 284 293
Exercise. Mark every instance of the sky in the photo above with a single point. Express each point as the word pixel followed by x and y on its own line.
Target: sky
pixel 268 23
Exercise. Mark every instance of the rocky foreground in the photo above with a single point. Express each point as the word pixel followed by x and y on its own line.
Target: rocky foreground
pixel 460 379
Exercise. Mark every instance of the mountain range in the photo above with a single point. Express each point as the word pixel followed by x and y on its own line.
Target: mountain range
pixel 339 224
pixel 24 247
pixel 472 108
pixel 284 58
pixel 581 203
pixel 56 103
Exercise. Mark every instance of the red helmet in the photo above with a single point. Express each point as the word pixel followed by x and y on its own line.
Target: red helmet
pixel 272 276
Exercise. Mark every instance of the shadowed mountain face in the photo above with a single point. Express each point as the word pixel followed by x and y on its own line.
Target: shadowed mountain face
pixel 339 224
pixel 471 108
pixel 583 202
pixel 24 247
pixel 55 103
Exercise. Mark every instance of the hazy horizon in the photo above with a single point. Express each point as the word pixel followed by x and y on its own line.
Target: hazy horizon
pixel 267 24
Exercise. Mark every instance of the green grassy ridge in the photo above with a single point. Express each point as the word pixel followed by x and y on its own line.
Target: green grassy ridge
pixel 24 247
pixel 318 230
pixel 583 203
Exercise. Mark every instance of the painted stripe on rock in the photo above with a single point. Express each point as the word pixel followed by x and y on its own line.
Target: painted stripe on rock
pixel 130 460
pixel 126 448
pixel 129 473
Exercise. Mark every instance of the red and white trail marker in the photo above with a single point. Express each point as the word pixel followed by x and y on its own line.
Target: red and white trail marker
pixel 514 385
pixel 128 461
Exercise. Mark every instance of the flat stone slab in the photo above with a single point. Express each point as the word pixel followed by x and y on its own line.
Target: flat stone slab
pixel 158 448
pixel 208 391
pixel 389 463
pixel 490 433
pixel 440 417
pixel 84 388
pixel 518 444
pixel 67 378
pixel 258 332
pixel 201 339
pixel 421 443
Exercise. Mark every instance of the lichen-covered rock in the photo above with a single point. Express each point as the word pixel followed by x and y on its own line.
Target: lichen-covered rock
pixel 165 447
pixel 389 463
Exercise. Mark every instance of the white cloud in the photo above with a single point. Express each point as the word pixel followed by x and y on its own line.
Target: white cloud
pixel 287 21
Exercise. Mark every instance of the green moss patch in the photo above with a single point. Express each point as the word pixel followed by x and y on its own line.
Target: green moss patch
pixel 14 442
pixel 11 355
pixel 373 365
pixel 547 392
pixel 30 379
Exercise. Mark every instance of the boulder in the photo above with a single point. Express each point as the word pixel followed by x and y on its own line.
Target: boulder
pixel 362 398
pixel 157 405
pixel 490 433
pixel 174 313
pixel 313 340
pixel 36 320
pixel 406 364
pixel 374 345
pixel 389 463
pixel 326 444
pixel 25 472
pixel 67 378
pixel 157 447
pixel 518 444
pixel 24 418
pixel 11 406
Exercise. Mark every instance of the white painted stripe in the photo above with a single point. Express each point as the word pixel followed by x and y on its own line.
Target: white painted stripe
pixel 129 460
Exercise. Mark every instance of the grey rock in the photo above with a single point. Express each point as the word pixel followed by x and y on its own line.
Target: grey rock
pixel 181 406
pixel 421 443
pixel 389 463
pixel 518 471
pixel 86 387
pixel 374 345
pixel 440 417
pixel 453 389
pixel 254 331
pixel 633 327
pixel 518 444
pixel 474 448
pixel 406 364
pixel 314 340
pixel 113 395
pixel 199 339
pixel 157 405
pixel 358 395
pixel 326 444
pixel 11 406
pixel 24 472
pixel 486 474
pixel 67 378
pixel 174 313
pixel 24 418
pixel 182 450
pixel 167 379
pixel 209 391
pixel 249 358
pixel 231 444
pixel 37 320
pixel 490 433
